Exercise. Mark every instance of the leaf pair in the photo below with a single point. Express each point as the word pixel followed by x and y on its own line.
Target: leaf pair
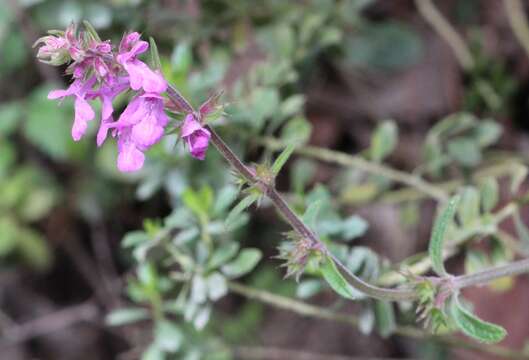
pixel 467 322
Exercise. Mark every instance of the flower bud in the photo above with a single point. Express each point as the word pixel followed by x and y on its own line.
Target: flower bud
pixel 54 50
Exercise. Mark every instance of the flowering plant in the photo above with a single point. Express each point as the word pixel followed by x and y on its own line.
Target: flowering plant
pixel 100 71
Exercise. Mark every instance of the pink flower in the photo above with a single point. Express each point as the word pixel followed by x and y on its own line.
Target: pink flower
pixel 107 92
pixel 130 157
pixel 139 127
pixel 141 76
pixel 195 136
pixel 83 110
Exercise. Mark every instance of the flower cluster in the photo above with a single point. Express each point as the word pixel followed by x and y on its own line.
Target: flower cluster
pixel 100 72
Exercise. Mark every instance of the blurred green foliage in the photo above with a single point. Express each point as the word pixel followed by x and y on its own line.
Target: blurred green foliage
pixel 263 54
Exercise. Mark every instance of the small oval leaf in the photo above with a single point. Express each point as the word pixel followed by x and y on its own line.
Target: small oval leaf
pixel 337 282
pixel 243 264
pixel 473 326
pixel 435 248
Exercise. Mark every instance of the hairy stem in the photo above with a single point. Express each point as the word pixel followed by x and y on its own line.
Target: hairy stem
pixel 488 275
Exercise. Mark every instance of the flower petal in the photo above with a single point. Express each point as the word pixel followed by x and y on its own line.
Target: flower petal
pixel 130 158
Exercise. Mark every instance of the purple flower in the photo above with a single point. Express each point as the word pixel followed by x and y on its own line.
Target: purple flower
pixel 130 157
pixel 139 127
pixel 141 76
pixel 83 110
pixel 107 92
pixel 54 51
pixel 195 136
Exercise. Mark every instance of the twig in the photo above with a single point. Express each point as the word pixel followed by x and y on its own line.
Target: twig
pixel 431 14
pixel 295 222
pixel 358 162
pixel 50 323
pixel 304 309
pixel 488 275
pixel 518 22
pixel 273 353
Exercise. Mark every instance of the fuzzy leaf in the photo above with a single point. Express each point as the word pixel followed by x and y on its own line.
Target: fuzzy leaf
pixel 384 140
pixel 473 326
pixel 155 56
pixel 435 248
pixel 489 194
pixel 282 159
pixel 239 208
pixel 337 282
pixel 243 264
pixel 385 318
pixel 126 316
pixel 468 210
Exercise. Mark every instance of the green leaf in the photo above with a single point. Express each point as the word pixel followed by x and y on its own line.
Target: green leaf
pixel 296 131
pixel 239 208
pixel 373 47
pixel 473 326
pixel 385 318
pixel 311 213
pixel 435 248
pixel 301 173
pixel 33 249
pixel 10 114
pixel 468 210
pixel 126 316
pixel 48 125
pixel 223 254
pixel 518 176
pixel 243 264
pixel 384 140
pixel 91 30
pixel 181 58
pixel 225 197
pixel 292 105
pixel 476 260
pixel 217 286
pixel 8 236
pixel 353 227
pixel 282 159
pixel 489 192
pixel 465 151
pixel 168 336
pixel 487 132
pixel 155 56
pixel 337 282
pixel 308 288
pixel 521 229
pixel 153 352
pixel 198 201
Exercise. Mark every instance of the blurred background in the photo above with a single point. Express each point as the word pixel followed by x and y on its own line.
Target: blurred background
pixel 344 75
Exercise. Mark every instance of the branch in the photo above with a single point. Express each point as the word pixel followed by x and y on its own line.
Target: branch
pixel 434 17
pixel 309 310
pixel 282 207
pixel 358 162
pixel 518 22
pixel 488 275
pixel 50 323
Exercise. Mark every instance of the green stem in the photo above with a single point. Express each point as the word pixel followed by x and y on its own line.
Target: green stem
pixel 358 162
pixel 488 275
